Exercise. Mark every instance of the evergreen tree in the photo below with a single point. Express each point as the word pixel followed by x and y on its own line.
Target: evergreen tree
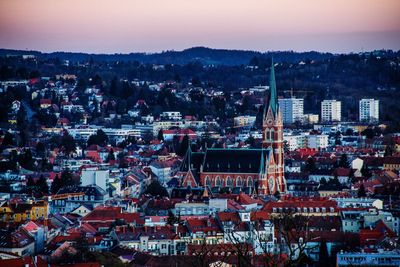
pixel 156 189
pixel 110 156
pixel 344 162
pixel 8 139
pixel 361 191
pixel 30 184
pixel 310 165
pixel 184 146
pixel 40 149
pixel 66 178
pixel 323 259
pixel 172 219
pixel 160 135
pixel 99 138
pixel 56 185
pixel 42 186
pixel 68 143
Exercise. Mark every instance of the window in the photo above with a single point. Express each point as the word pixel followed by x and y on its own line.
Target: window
pixel 249 182
pixel 208 181
pixel 229 182
pixel 239 182
pixel 218 181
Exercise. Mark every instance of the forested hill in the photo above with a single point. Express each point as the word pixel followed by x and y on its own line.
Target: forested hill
pixel 206 56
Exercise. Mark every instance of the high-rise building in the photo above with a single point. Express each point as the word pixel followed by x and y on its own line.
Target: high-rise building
pixel 331 110
pixel 292 109
pixel 369 110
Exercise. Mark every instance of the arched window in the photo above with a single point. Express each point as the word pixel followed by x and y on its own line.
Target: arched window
pixel 249 182
pixel 239 181
pixel 218 181
pixel 272 134
pixel 208 181
pixel 229 182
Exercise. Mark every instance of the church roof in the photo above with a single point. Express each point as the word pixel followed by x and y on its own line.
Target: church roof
pixel 235 160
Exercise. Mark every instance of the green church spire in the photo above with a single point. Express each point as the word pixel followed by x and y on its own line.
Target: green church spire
pixel 273 99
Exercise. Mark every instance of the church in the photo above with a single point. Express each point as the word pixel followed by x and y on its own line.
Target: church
pixel 253 171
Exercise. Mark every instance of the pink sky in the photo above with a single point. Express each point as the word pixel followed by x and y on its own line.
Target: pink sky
pixel 120 26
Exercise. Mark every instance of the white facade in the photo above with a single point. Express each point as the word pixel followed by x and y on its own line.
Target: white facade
pixel 369 110
pixel 96 177
pixel 171 115
pixel 292 109
pixel 295 141
pixel 331 110
pixel 319 141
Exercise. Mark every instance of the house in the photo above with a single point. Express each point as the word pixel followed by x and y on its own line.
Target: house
pixel 45 103
pixel 82 210
pixel 303 206
pixel 19 242
pixel 391 163
pixel 366 258
pixel 38 233
pixel 102 217
pixel 21 211
pixel 69 198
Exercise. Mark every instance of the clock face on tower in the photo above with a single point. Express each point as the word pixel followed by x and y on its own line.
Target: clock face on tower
pixel 271 183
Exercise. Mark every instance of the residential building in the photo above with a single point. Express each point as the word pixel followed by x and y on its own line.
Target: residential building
pixel 292 109
pixel 331 110
pixel 244 121
pixel 369 110
pixel 379 258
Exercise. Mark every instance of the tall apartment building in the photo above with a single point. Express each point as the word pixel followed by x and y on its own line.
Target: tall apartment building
pixel 369 110
pixel 292 109
pixel 331 110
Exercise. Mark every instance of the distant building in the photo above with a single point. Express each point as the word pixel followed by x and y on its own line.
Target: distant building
pixel 369 110
pixel 292 109
pixel 317 141
pixel 311 118
pixel 331 110
pixel 171 115
pixel 244 121
pixel 384 258
pixel 93 176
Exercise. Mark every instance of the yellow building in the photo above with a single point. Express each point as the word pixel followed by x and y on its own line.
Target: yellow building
pixel 20 212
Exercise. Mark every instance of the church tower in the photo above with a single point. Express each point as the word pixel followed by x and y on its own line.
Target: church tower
pixel 273 178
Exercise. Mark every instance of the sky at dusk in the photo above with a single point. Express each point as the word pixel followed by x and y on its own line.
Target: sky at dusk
pixel 123 26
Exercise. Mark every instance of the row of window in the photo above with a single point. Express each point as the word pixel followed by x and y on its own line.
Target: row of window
pixel 228 182
pixel 331 209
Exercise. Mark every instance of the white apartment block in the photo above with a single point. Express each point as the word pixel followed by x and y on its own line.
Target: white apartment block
pixel 295 141
pixel 331 110
pixel 369 110
pixel 317 141
pixel 292 109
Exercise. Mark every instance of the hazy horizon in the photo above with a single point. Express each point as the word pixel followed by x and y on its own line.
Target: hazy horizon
pixel 153 26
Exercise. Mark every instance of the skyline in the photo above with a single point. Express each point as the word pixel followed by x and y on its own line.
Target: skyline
pixel 101 26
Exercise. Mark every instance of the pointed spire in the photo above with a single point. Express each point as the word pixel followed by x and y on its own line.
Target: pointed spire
pixel 273 99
